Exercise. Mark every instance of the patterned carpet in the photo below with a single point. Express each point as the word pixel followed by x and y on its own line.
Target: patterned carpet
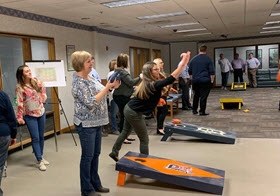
pixel 262 120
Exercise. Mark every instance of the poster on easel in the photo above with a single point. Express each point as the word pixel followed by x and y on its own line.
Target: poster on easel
pixel 50 72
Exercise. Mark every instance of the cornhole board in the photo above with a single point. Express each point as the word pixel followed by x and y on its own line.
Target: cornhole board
pixel 235 86
pixel 206 133
pixel 187 175
pixel 231 102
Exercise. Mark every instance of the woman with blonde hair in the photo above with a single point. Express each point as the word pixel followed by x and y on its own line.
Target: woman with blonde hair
pixel 90 114
pixel 144 101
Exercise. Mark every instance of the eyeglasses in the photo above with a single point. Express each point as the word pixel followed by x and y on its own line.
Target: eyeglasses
pixel 156 69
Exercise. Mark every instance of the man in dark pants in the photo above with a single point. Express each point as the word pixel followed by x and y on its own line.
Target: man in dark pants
pixel 184 85
pixel 8 130
pixel 238 66
pixel 202 74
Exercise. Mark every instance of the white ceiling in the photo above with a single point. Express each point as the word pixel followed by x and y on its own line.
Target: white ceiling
pixel 224 19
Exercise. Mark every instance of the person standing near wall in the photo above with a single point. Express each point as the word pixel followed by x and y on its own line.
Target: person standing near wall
pixel 252 67
pixel 8 130
pixel 238 66
pixel 113 107
pixel 90 114
pixel 184 85
pixel 202 74
pixel 226 67
pixel 31 96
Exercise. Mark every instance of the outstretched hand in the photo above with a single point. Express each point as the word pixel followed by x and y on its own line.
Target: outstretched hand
pixel 186 57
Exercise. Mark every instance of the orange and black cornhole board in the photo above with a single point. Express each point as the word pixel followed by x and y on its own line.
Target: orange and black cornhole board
pixel 206 133
pixel 188 175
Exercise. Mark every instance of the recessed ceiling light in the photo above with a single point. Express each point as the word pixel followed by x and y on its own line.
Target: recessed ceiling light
pixel 197 34
pixel 272 22
pixel 161 15
pixel 275 27
pixel 275 14
pixel 270 31
pixel 179 25
pixel 190 30
pixel 114 4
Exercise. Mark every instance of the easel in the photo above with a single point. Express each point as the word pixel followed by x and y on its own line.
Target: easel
pixel 59 101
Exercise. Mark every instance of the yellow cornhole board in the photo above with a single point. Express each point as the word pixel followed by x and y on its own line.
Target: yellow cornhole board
pixel 231 100
pixel 241 86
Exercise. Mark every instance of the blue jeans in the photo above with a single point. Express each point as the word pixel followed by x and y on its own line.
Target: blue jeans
pixel 4 145
pixel 113 113
pixel 36 127
pixel 90 140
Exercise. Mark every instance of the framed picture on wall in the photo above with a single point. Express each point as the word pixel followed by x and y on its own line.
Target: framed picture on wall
pixel 273 57
pixel 259 55
pixel 69 50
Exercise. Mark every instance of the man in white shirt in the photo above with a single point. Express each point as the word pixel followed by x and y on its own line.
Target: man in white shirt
pixel 225 68
pixel 252 66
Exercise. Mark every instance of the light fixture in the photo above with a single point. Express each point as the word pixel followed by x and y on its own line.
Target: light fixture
pixel 161 15
pixel 275 31
pixel 197 34
pixel 122 3
pixel 272 22
pixel 179 25
pixel 190 30
pixel 275 14
pixel 274 27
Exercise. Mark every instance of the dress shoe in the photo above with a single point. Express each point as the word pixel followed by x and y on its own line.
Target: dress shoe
pixel 203 114
pixel 194 112
pixel 115 158
pixel 91 194
pixel 130 139
pixel 102 190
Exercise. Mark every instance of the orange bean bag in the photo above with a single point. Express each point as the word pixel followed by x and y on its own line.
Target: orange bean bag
pixel 176 121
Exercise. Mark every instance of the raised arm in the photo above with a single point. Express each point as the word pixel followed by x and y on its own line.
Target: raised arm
pixel 183 63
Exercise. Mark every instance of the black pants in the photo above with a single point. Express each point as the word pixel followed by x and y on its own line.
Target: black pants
pixel 238 73
pixel 121 101
pixel 201 92
pixel 185 87
pixel 161 114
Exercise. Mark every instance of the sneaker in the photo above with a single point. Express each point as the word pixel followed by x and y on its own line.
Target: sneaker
pixel 116 132
pixel 45 161
pixel 42 166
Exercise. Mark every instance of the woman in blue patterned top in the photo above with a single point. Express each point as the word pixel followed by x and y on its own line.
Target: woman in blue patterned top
pixel 90 114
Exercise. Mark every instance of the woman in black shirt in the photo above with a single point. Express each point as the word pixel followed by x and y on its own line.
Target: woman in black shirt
pixel 144 102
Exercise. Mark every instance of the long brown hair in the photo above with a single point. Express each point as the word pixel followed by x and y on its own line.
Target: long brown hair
pixel 20 79
pixel 146 86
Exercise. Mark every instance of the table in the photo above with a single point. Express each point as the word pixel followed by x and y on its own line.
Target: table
pixel 173 103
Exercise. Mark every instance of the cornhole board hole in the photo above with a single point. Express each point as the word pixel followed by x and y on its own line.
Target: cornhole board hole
pixel 241 86
pixel 231 102
pixel 187 175
pixel 206 133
